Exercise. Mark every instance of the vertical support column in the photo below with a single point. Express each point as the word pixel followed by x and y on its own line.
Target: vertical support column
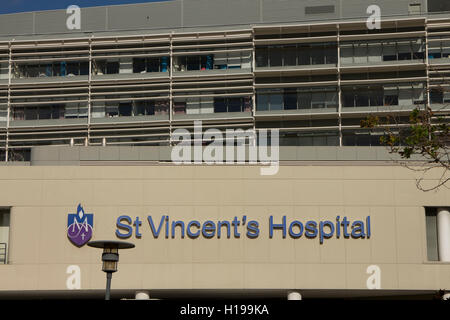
pixel 8 112
pixel 253 66
pixel 339 83
pixel 443 226
pixel 87 142
pixel 294 295
pixel 170 86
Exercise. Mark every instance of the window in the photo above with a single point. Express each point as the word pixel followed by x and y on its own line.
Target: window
pixel 4 234
pixel 275 56
pixel 436 221
pixel 290 99
pixel 436 96
pixel 144 108
pixel 262 57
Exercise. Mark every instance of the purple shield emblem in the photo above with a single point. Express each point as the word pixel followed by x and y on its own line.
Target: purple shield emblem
pixel 79 226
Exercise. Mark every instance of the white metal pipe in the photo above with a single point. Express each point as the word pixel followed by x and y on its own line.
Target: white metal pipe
pixel 443 225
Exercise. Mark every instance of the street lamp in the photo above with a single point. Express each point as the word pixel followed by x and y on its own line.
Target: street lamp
pixel 110 258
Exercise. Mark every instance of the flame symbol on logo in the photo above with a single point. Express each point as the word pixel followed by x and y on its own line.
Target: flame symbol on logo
pixel 80 226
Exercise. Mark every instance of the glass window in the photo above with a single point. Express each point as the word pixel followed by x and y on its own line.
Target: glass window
pixel 391 100
pixel 432 234
pixel 436 96
pixel 303 55
pixel 153 65
pixel 262 102
pixel 374 52
pixel 404 50
pixel 290 56
pixel 389 51
pixel 317 100
pixel 45 113
pixel 220 105
pixel 234 104
pixel 262 57
pixel 276 101
pixel 125 109
pixel 112 67
pixel 317 54
pixel 4 233
pixel 331 98
pixel 376 97
pixel 290 99
pixel 304 100
pixel 275 54
pixel 84 68
pixel 331 55
pixel 362 97
pixel 193 63
pixel 361 53
pixel 31 114
pixel 348 98
pixel 138 65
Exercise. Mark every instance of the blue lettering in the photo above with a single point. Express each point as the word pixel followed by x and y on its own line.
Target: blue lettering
pixel 322 233
pixel 209 226
pixel 277 226
pixel 291 227
pixel 358 229
pixel 189 233
pixel 311 229
pixel 128 227
pixel 253 229
pixel 152 226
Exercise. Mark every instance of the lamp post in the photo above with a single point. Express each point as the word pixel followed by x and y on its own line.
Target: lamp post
pixel 110 258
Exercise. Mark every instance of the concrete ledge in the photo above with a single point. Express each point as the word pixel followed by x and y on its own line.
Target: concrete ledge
pixel 77 155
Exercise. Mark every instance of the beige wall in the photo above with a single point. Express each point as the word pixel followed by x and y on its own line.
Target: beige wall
pixel 41 198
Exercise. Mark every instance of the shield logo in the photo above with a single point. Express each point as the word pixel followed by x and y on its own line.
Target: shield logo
pixel 79 226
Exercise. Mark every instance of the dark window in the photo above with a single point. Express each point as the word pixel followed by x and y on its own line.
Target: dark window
pixel 193 63
pixel 112 67
pixel 275 54
pixel 436 96
pixel 348 99
pixel 290 99
pixel 125 109
pixel 138 65
pixel 84 68
pixel 234 104
pixel 317 54
pixel 262 57
pixel 362 98
pixel 220 105
pixel 303 54
pixel 376 98
pixel 304 100
pixel 290 56
pixel 404 56
pixel 391 100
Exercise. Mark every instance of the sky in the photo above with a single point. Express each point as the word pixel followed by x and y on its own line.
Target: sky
pixel 13 6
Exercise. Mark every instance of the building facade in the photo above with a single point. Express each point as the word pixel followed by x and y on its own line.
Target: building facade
pixel 89 113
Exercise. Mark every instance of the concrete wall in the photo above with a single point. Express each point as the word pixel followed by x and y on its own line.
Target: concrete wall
pixel 42 196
